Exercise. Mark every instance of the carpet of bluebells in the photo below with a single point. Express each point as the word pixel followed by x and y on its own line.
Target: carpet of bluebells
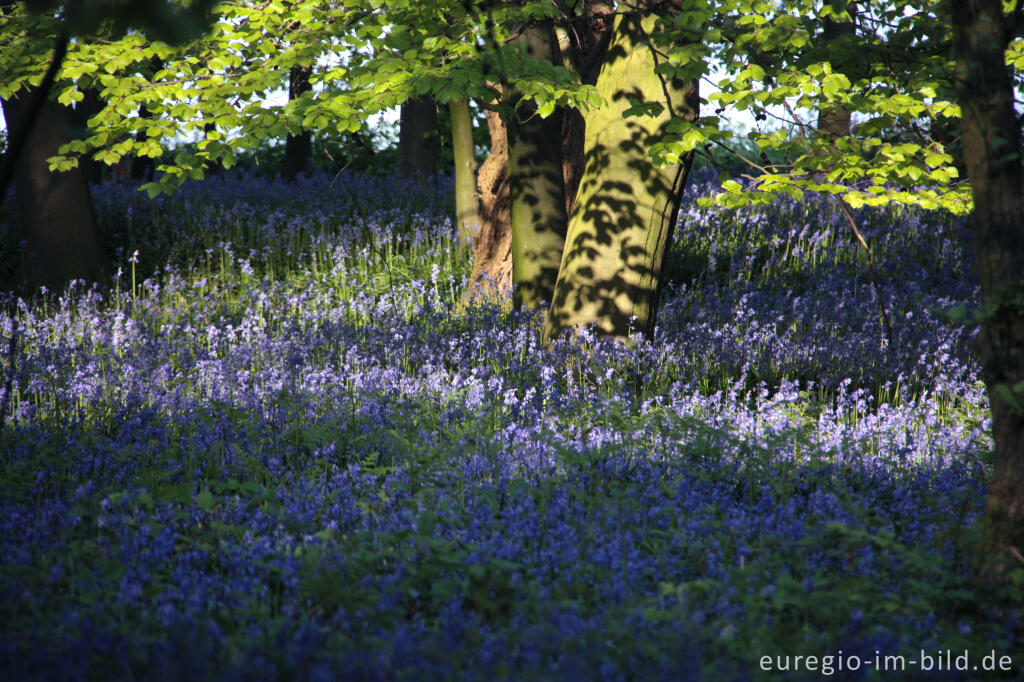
pixel 277 445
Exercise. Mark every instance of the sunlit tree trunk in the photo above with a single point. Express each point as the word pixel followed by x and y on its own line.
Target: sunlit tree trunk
pixel 993 155
pixel 626 207
pixel 298 149
pixel 57 217
pixel 537 189
pixel 492 251
pixel 466 212
pixel 418 145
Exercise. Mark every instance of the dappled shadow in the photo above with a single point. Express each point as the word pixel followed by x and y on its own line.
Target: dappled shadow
pixel 627 207
pixel 537 193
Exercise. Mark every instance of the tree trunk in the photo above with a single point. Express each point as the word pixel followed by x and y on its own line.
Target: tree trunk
pixel 91 105
pixel 993 154
pixel 466 213
pixel 144 167
pixel 418 145
pixel 57 217
pixel 537 189
pixel 627 207
pixel 573 133
pixel 492 252
pixel 298 149
pixel 582 44
pixel 834 119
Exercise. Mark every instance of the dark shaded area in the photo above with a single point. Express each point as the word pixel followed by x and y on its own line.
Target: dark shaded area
pixel 993 152
pixel 298 149
pixel 90 105
pixel 58 224
pixel 418 143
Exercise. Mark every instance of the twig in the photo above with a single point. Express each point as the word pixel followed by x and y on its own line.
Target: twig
pixel 870 269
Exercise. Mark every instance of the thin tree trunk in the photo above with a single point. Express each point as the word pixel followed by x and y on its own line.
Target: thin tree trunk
pixel 418 145
pixel 537 189
pixel 573 137
pixel 466 212
pixel 57 217
pixel 144 167
pixel 492 252
pixel 298 149
pixel 627 207
pixel 993 155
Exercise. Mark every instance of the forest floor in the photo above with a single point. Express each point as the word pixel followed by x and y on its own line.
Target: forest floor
pixel 276 445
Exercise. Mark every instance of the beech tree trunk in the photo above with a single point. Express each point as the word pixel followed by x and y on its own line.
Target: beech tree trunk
pixel 834 120
pixel 466 212
pixel 90 105
pixel 418 145
pixel 993 155
pixel 298 149
pixel 581 43
pixel 57 219
pixel 626 209
pixel 537 188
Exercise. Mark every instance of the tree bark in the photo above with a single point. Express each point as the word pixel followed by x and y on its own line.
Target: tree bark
pixel 582 44
pixel 491 278
pixel 91 105
pixel 537 189
pixel 466 212
pixel 993 155
pixel 57 219
pixel 573 133
pixel 626 209
pixel 418 145
pixel 298 149
pixel 834 119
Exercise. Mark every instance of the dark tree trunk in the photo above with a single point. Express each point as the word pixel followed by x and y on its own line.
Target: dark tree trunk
pixel 834 119
pixel 993 155
pixel 573 131
pixel 90 105
pixel 418 144
pixel 57 217
pixel 583 46
pixel 298 149
pixel 144 167
pixel 537 188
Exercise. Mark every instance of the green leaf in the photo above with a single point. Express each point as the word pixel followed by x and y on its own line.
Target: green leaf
pixel 205 499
